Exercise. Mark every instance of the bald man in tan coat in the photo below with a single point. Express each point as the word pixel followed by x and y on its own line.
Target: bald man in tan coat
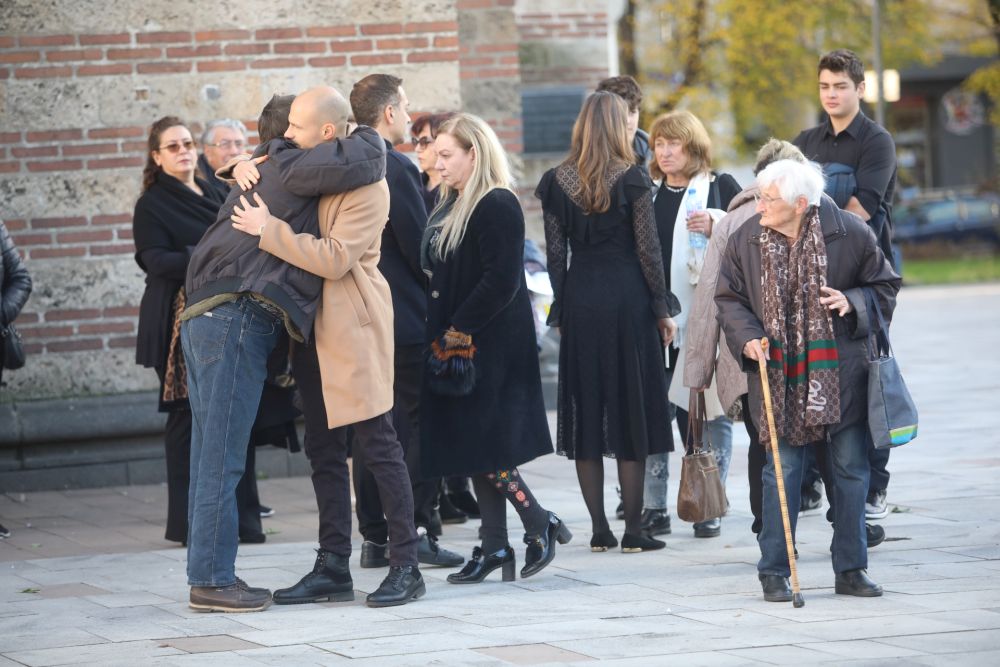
pixel 345 373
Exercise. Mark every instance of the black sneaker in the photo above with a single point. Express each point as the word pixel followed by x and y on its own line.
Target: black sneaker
pixel 374 554
pixel 266 511
pixel 403 584
pixel 812 497
pixel 3 531
pixel 875 534
pixel 655 522
pixel 876 506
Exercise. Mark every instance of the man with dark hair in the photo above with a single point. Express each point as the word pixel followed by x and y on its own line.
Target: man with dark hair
pixel 859 161
pixel 378 100
pixel 273 120
pixel 628 89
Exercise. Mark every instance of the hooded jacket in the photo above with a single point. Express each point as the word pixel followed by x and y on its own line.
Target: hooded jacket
pixel 228 261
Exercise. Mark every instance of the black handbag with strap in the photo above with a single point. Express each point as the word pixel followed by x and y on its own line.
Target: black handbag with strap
pixel 13 348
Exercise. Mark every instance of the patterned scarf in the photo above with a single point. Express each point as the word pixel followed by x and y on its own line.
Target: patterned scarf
pixel 175 376
pixel 802 371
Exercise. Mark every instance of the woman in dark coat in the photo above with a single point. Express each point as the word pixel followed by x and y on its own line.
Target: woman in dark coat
pixel 15 287
pixel 171 215
pixel 482 410
pixel 614 312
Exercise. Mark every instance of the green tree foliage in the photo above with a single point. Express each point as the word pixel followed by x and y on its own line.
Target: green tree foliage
pixel 761 55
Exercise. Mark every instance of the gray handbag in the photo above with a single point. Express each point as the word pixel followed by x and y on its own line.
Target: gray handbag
pixel 892 415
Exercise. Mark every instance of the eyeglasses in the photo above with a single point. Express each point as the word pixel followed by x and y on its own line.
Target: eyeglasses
pixel 422 142
pixel 226 144
pixel 177 147
pixel 758 198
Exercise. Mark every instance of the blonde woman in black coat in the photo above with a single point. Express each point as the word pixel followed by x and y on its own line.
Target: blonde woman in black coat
pixel 482 410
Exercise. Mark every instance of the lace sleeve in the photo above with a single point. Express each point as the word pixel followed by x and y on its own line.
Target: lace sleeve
pixel 647 246
pixel 555 250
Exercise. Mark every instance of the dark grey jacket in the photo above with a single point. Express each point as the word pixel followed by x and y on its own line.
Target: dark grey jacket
pixel 854 261
pixel 229 261
pixel 15 283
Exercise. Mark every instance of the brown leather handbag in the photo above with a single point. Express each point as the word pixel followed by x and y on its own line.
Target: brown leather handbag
pixel 702 495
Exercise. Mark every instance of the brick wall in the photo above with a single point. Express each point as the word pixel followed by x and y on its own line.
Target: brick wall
pixel 77 105
pixel 563 47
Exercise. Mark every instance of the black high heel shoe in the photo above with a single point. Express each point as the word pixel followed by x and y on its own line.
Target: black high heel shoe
pixel 481 564
pixel 603 541
pixel 542 548
pixel 632 544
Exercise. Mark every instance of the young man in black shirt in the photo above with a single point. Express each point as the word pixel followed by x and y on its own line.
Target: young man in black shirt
pixel 859 161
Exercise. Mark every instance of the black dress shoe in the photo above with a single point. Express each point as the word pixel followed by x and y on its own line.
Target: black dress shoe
pixel 449 513
pixel 330 580
pixel 429 553
pixel 465 501
pixel 710 528
pixel 403 584
pixel 253 538
pixel 374 554
pixel 857 583
pixel 482 564
pixel 542 548
pixel 655 522
pixel 776 588
pixel 633 544
pixel 603 541
pixel 875 534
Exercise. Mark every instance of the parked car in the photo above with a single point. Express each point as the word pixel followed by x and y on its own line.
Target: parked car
pixel 965 220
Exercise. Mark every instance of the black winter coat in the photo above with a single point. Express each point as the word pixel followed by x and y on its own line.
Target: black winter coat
pixel 15 283
pixel 400 261
pixel 480 290
pixel 854 261
pixel 168 222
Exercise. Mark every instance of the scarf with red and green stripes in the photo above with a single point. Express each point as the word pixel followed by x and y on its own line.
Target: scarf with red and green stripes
pixel 802 371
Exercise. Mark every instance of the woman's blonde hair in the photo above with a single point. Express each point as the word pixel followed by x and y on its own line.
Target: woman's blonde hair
pixel 490 170
pixel 685 127
pixel 599 143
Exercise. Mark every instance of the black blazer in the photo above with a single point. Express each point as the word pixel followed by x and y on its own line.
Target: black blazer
pixel 400 261
pixel 15 283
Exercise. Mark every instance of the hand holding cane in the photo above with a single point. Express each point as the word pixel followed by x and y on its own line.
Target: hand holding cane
pixel 797 600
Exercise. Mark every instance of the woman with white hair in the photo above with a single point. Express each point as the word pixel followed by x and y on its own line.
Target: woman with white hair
pixel 482 412
pixel 798 275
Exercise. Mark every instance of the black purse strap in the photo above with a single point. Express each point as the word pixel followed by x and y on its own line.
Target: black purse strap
pixel 879 327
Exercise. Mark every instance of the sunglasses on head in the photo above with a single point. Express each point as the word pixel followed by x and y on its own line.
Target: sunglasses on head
pixel 177 146
pixel 422 141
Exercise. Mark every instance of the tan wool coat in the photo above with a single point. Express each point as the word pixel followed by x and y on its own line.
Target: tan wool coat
pixel 353 329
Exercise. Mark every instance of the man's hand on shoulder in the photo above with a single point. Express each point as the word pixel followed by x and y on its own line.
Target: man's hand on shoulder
pixel 251 219
pixel 245 172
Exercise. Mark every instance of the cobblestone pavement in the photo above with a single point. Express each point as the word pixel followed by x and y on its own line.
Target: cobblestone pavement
pixel 87 579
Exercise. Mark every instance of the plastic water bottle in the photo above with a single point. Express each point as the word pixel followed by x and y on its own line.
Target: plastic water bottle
pixel 691 203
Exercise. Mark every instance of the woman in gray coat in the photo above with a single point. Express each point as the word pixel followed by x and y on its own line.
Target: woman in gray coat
pixel 797 274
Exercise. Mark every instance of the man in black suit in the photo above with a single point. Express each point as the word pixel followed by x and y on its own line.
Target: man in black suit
pixel 378 100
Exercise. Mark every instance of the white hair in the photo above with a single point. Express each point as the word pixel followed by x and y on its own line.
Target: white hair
pixel 212 125
pixel 793 180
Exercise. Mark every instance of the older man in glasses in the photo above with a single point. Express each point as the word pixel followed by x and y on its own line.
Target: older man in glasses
pixel 222 140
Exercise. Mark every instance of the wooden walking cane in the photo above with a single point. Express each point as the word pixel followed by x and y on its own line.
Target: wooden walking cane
pixel 797 600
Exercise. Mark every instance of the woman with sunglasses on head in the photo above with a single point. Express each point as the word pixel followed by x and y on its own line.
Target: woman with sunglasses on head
pixel 171 215
pixel 424 130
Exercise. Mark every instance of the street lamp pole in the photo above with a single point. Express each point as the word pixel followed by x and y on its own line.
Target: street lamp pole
pixel 877 62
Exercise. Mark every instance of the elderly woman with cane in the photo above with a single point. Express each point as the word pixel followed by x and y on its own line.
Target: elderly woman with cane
pixel 795 275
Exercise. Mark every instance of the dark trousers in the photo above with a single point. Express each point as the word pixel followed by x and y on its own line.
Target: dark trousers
pixel 878 460
pixel 409 371
pixel 756 460
pixel 374 441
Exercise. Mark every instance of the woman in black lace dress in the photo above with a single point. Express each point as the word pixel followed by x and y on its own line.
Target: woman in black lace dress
pixel 614 313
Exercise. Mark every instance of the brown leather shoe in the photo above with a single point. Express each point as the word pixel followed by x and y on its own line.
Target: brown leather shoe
pixel 234 598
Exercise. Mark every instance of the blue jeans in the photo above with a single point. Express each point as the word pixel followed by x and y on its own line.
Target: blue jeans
pixel 848 452
pixel 720 433
pixel 226 351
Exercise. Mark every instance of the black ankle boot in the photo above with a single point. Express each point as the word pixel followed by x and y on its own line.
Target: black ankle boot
pixel 482 564
pixel 603 541
pixel 542 548
pixel 403 584
pixel 330 581
pixel 632 544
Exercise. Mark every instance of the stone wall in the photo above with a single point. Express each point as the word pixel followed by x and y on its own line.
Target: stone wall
pixel 78 89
